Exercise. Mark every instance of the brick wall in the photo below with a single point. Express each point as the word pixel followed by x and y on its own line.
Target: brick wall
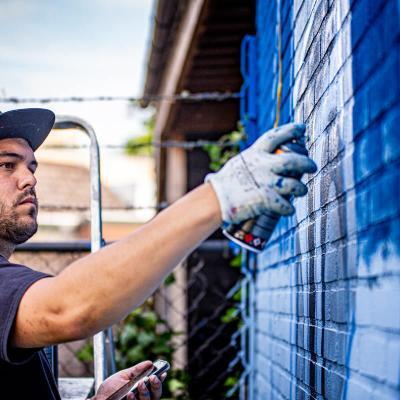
pixel 328 285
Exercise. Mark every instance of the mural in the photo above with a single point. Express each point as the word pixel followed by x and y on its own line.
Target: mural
pixel 328 285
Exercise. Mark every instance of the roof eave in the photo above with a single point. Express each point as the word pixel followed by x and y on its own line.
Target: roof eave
pixel 166 19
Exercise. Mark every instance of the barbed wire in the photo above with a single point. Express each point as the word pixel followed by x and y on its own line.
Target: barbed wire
pixel 52 207
pixel 187 145
pixel 183 96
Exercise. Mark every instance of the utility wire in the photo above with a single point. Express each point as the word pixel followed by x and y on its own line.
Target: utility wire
pixel 184 96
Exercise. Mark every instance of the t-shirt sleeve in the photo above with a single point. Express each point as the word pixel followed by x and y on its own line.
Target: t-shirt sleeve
pixel 14 281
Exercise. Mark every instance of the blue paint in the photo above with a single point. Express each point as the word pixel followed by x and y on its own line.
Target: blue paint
pixel 391 142
pixel 375 65
pixel 376 155
pixel 318 259
pixel 248 91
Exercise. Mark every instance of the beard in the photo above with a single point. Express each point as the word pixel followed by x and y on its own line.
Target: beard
pixel 14 228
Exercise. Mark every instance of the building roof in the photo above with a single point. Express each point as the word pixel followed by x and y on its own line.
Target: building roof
pixel 195 48
pixel 214 55
pixel 62 185
pixel 166 20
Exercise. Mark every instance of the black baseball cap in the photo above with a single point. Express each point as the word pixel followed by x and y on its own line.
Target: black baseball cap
pixel 31 124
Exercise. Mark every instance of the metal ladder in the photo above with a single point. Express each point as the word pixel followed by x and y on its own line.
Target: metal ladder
pixel 103 343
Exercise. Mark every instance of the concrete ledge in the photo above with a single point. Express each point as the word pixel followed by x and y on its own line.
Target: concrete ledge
pixel 75 388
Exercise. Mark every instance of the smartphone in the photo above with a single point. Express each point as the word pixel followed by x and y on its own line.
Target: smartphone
pixel 124 390
pixel 159 367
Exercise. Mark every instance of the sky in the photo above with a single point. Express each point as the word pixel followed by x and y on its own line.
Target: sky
pixel 61 48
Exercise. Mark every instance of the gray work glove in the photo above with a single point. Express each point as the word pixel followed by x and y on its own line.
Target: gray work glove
pixel 254 181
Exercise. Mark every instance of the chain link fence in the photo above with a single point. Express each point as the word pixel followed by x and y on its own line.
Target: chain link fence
pixel 53 262
pixel 201 308
pixel 200 302
pixel 203 303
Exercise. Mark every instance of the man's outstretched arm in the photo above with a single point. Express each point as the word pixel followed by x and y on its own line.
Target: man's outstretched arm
pixel 102 288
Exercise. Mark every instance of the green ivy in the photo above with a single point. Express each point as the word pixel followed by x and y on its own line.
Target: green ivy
pixel 142 145
pixel 236 261
pixel 226 147
pixel 143 335
pixel 219 154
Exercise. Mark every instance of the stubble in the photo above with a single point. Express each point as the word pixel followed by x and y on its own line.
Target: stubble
pixel 12 228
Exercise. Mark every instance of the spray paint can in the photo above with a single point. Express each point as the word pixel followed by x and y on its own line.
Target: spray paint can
pixel 253 234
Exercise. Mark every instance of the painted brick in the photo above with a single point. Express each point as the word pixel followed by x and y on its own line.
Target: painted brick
pixel 368 153
pixel 377 304
pixel 385 195
pixel 328 283
pixel 391 139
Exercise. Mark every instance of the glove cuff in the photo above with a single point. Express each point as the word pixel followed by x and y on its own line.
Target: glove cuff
pixel 223 200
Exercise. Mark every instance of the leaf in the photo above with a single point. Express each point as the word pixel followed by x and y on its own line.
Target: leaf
pixel 238 295
pixel 128 333
pixel 166 336
pixel 141 145
pixel 231 314
pixel 145 338
pixel 215 166
pixel 136 354
pixel 236 261
pixel 85 354
pixel 162 349
pixel 215 153
pixel 144 335
pixel 169 280
pixel 149 319
pixel 230 381
pixel 174 385
pixel 236 136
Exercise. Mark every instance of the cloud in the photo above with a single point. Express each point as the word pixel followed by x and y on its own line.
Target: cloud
pixel 69 48
pixel 56 47
pixel 80 74
pixel 139 5
pixel 16 9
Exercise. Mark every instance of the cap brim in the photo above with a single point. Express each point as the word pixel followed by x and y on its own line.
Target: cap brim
pixel 31 124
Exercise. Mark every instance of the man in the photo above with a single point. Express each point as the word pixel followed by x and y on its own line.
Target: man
pixel 96 291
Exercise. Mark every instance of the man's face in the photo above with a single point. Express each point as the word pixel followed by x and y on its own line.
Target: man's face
pixel 18 203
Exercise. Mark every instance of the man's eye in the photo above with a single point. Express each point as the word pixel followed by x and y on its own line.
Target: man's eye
pixel 7 165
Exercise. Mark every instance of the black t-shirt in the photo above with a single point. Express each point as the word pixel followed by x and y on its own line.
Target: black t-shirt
pixel 24 373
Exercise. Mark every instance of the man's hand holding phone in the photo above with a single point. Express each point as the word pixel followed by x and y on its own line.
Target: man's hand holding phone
pixel 140 382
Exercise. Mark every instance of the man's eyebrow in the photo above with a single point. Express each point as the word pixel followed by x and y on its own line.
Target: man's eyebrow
pixel 8 154
pixel 16 155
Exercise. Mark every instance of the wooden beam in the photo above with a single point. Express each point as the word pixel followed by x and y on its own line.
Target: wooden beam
pixel 207 62
pixel 223 41
pixel 205 118
pixel 220 51
pixel 178 59
pixel 219 72
pixel 218 28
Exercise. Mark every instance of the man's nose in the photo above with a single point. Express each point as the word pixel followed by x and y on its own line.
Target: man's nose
pixel 27 179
